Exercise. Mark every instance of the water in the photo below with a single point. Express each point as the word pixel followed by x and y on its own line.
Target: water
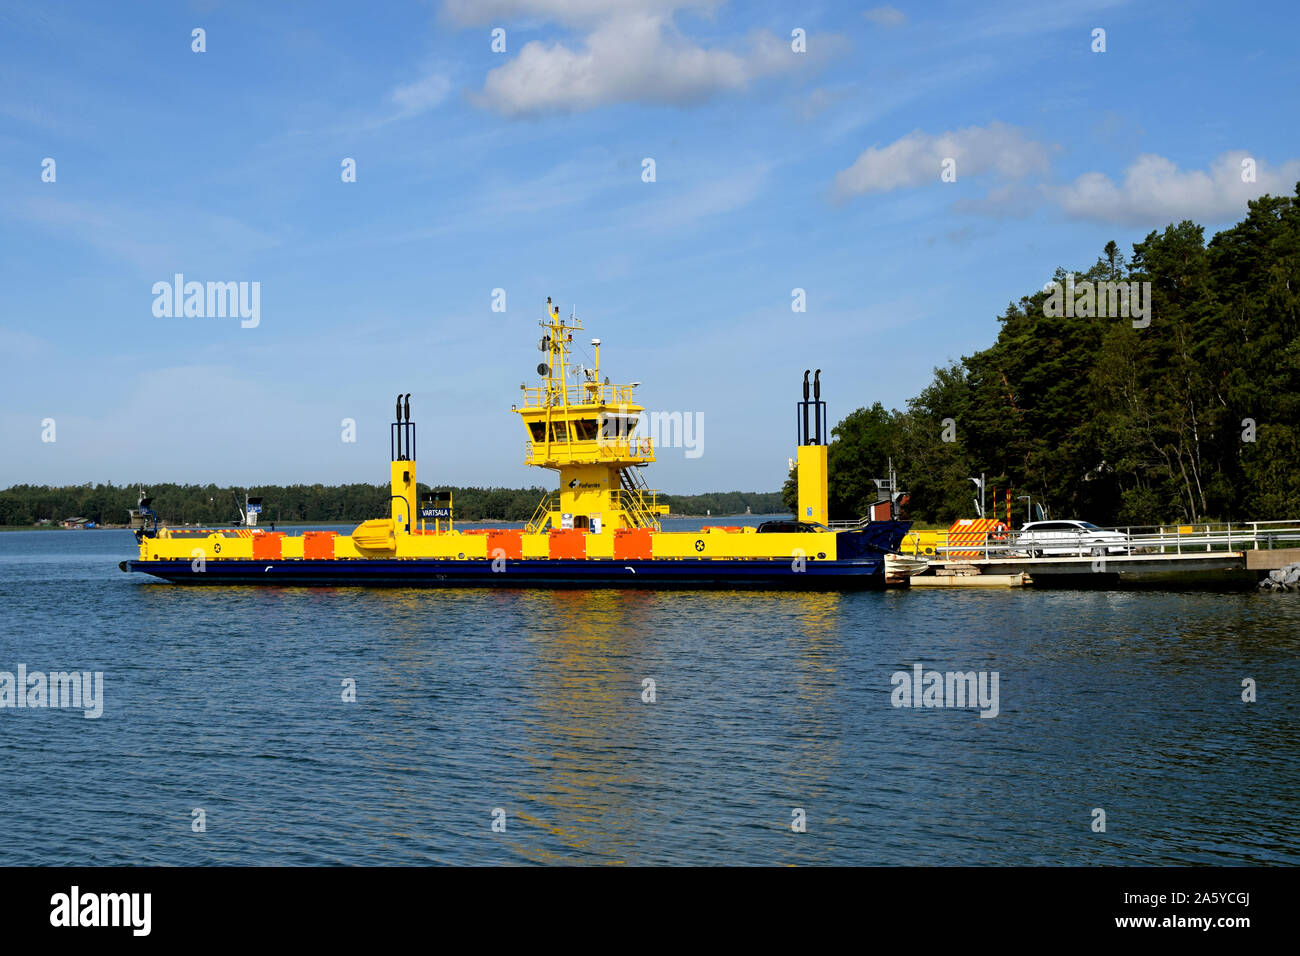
pixel 230 700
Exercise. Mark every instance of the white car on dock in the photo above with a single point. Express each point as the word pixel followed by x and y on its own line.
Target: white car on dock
pixel 1042 538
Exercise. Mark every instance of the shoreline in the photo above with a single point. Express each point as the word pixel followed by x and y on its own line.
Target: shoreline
pixel 279 525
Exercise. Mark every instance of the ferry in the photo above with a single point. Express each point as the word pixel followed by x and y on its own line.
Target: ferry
pixel 600 528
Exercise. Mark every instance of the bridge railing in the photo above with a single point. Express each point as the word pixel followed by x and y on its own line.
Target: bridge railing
pixel 1129 540
pixel 596 449
pixel 584 393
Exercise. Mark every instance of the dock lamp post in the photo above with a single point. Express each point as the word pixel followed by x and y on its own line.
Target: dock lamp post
pixel 1029 506
pixel 979 502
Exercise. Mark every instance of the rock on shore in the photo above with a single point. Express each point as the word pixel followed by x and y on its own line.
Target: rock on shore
pixel 1283 579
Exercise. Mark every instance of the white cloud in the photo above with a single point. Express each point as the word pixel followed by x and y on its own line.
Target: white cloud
pixel 420 96
pixel 478 12
pixel 917 159
pixel 886 16
pixel 635 57
pixel 403 102
pixel 1155 191
pixel 1152 192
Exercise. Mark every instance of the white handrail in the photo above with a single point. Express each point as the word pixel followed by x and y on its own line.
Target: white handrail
pixel 1224 539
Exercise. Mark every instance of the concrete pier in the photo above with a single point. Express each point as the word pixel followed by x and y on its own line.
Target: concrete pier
pixel 1271 560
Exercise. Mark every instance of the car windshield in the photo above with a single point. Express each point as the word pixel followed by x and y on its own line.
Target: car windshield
pixel 789 527
pixel 1089 525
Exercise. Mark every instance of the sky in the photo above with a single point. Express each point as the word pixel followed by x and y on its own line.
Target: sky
pixel 503 145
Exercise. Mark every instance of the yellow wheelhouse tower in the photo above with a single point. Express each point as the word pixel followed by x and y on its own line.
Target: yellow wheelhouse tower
pixel 582 427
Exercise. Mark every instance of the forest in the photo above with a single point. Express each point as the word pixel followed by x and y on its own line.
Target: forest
pixel 1191 413
pixel 210 505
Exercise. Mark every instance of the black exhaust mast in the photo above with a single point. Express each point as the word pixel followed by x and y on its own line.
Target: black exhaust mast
pixel 814 431
pixel 397 429
pixel 817 398
pixel 803 436
pixel 402 431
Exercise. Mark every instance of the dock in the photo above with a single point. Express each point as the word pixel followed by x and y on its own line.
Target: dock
pixel 1209 555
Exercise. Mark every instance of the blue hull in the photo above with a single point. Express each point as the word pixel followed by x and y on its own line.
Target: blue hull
pixel 863 572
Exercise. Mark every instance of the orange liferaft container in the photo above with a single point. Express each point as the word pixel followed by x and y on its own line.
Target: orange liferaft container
pixel 318 545
pixel 508 541
pixel 632 544
pixel 267 546
pixel 567 543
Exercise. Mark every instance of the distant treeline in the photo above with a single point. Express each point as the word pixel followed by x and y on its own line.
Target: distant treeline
pixel 1189 412
pixel 211 505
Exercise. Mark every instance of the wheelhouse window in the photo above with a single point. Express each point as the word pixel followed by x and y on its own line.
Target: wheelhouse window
pixel 616 427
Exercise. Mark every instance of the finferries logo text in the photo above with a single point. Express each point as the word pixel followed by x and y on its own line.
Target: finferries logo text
pixel 215 300
pixel 59 689
pixel 961 689
pixel 102 909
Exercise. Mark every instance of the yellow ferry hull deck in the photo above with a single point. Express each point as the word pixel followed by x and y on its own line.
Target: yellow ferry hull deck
pixel 601 528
